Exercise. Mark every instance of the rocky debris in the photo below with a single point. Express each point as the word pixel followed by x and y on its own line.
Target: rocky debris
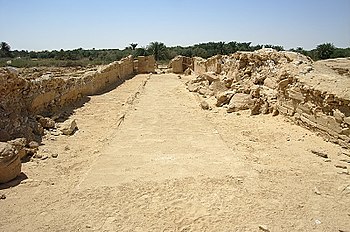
pixel 2 196
pixel 224 98
pixel 33 145
pixel 320 154
pixel 10 163
pixel 286 83
pixel 40 156
pixel 20 145
pixel 205 105
pixel 46 122
pixel 69 127
pixel 240 101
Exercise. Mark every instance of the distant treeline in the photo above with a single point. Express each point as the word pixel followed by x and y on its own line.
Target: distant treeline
pixel 162 53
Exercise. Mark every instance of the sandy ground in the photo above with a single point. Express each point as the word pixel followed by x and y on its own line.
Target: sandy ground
pixel 146 157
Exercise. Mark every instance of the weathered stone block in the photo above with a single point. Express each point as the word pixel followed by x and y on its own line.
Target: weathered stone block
pixel 10 163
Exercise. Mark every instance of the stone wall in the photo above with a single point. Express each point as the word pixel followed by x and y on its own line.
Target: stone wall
pixel 267 81
pixel 145 64
pixel 23 98
pixel 199 65
pixel 180 63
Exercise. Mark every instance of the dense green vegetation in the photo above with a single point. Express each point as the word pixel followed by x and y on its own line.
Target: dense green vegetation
pixel 162 53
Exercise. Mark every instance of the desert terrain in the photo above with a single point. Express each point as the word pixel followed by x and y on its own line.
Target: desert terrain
pixel 150 155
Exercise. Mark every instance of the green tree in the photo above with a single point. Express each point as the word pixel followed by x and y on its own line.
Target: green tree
pixel 140 52
pixel 221 48
pixel 325 51
pixel 158 49
pixel 5 49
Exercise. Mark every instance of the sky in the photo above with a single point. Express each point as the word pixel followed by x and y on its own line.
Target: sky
pixel 70 24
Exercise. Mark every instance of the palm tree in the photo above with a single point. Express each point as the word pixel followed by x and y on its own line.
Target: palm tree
pixel 133 46
pixel 5 48
pixel 158 49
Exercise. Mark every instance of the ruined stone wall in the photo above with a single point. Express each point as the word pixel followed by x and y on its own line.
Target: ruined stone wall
pixel 21 99
pixel 180 63
pixel 145 64
pixel 318 109
pixel 267 81
pixel 199 65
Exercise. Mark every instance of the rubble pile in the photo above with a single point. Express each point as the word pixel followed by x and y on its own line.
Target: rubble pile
pixel 268 81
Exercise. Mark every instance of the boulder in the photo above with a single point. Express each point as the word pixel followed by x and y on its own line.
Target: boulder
pixel 224 98
pixel 240 101
pixel 10 163
pixel 69 127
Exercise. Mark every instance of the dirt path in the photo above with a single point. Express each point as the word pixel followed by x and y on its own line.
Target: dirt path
pixel 148 158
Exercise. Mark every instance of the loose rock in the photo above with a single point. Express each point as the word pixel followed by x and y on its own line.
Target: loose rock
pixel 224 98
pixel 69 127
pixel 205 105
pixel 33 145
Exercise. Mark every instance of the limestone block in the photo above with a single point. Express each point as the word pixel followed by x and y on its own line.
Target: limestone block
pixel 240 101
pixel 177 64
pixel 10 163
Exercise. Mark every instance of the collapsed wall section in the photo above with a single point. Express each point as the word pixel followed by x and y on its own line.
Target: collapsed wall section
pixel 267 81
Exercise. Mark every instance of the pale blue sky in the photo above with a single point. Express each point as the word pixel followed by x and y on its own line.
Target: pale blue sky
pixel 69 24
